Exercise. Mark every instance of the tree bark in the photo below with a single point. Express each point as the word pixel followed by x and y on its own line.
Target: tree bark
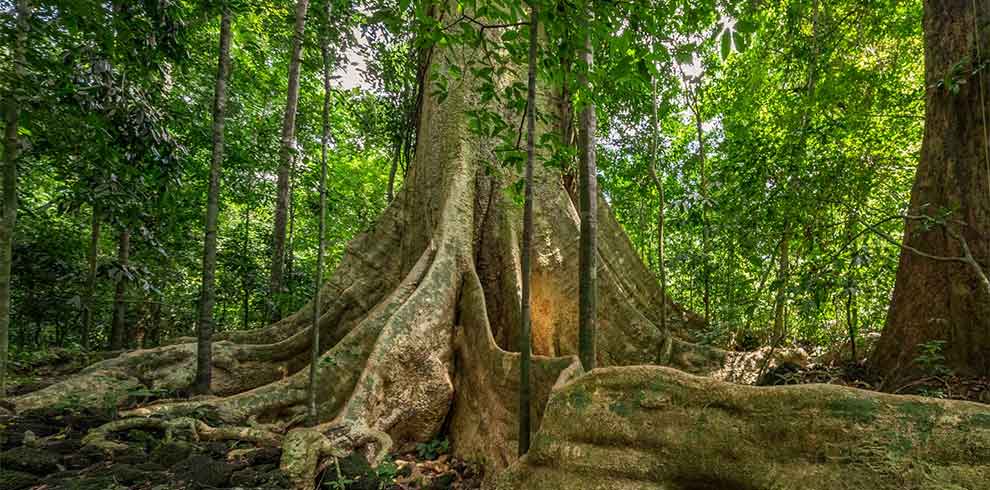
pixel 705 227
pixel 661 260
pixel 647 427
pixel 118 325
pixel 588 177
pixel 286 157
pixel 783 273
pixel 204 346
pixel 89 296
pixel 313 412
pixel 525 334
pixel 937 300
pixel 8 221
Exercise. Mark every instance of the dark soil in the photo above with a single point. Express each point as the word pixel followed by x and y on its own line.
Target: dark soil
pixel 43 450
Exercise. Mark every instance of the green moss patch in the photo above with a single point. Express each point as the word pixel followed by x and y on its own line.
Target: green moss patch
pixel 859 410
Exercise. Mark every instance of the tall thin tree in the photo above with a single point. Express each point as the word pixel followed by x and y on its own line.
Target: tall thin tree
pixel 11 144
pixel 286 156
pixel 89 294
pixel 204 341
pixel 661 260
pixel 525 349
pixel 118 324
pixel 321 248
pixel 588 191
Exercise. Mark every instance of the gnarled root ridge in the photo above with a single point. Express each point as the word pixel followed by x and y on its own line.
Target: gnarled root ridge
pixel 657 428
pixel 188 427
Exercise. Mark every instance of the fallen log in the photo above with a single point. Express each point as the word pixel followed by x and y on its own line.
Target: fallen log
pixel 648 427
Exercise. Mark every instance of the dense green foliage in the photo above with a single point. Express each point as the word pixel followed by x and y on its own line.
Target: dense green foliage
pixel 812 113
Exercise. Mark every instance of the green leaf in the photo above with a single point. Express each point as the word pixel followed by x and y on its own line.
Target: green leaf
pixel 726 43
pixel 741 41
pixel 746 26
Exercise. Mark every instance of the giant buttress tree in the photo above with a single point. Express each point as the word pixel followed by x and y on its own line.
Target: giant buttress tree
pixel 409 319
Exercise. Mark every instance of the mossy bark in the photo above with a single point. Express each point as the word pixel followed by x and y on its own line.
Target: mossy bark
pixel 647 427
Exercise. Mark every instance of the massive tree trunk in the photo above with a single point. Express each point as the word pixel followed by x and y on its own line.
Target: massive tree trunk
pixel 949 214
pixel 414 321
pixel 287 155
pixel 208 293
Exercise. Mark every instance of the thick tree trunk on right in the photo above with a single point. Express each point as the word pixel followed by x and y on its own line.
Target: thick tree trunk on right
pixel 286 156
pixel 936 300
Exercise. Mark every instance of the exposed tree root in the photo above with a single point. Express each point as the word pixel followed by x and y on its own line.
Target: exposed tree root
pixel 183 426
pixel 647 427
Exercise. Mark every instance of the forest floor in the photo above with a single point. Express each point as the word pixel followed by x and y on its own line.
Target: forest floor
pixel 945 385
pixel 44 450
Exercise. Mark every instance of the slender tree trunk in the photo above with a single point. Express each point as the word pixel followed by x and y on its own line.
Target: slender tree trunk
pixel 588 175
pixel 245 276
pixel 286 156
pixel 525 334
pixel 290 252
pixel 945 300
pixel 654 148
pixel 90 293
pixel 119 305
pixel 705 227
pixel 9 219
pixel 204 345
pixel 783 272
pixel 315 350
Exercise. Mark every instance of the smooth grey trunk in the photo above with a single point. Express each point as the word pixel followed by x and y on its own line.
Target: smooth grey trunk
pixel 315 351
pixel 204 338
pixel 119 304
pixel 588 192
pixel 525 334
pixel 286 156
pixel 9 219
